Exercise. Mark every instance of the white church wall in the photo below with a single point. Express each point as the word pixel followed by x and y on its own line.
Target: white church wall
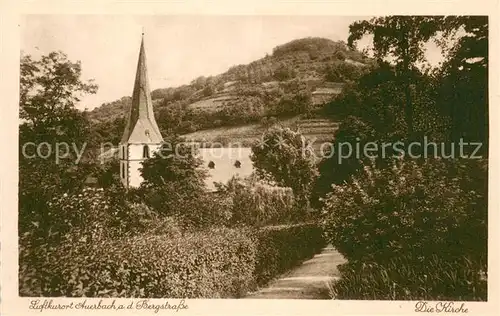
pixel 224 160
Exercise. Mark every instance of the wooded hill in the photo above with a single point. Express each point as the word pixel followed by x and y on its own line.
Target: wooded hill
pixel 296 79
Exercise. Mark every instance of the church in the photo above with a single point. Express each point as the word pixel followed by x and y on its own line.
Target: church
pixel 142 137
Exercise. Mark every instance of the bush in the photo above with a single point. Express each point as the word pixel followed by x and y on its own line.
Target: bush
pixel 406 208
pixel 89 217
pixel 257 204
pixel 403 279
pixel 402 220
pixel 286 158
pixel 213 263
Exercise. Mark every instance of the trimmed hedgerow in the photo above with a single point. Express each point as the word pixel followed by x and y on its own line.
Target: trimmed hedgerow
pixel 218 263
pixel 282 247
pixel 215 263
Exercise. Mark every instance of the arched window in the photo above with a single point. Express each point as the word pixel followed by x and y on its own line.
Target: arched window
pixel 211 165
pixel 237 164
pixel 145 151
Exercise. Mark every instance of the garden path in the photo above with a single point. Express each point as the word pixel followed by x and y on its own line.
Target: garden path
pixel 307 281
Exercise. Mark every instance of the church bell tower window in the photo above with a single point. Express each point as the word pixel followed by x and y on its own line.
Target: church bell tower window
pixel 145 151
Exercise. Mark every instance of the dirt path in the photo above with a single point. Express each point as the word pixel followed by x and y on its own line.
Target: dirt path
pixel 307 281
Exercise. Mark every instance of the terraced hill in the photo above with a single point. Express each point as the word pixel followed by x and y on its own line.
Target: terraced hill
pixel 299 77
pixel 317 130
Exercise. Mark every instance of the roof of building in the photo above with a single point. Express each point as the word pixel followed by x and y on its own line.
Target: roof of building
pixel 141 124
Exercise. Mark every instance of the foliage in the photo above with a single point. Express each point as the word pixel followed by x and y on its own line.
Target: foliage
pixel 339 71
pixel 403 279
pixel 337 166
pixel 400 38
pixel 257 204
pixel 410 209
pixel 282 247
pixel 175 161
pixel 217 263
pixel 285 157
pixel 49 89
pixel 108 174
pixel 91 216
pixel 463 90
pixel 214 263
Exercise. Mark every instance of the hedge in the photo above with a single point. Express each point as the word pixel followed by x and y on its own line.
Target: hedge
pixel 282 247
pixel 215 263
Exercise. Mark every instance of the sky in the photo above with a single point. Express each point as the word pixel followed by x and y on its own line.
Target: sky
pixel 178 48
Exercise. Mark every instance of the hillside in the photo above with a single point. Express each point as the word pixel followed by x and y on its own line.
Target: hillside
pixel 298 78
pixel 318 130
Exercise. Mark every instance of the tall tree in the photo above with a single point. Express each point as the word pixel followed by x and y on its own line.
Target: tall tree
pixel 49 89
pixel 463 90
pixel 401 39
pixel 286 157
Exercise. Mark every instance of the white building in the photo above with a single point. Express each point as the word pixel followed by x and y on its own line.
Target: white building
pixel 225 163
pixel 141 136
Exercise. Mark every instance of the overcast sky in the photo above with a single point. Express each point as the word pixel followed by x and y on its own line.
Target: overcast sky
pixel 178 48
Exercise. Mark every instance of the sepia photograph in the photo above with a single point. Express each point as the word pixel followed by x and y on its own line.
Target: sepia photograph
pixel 323 157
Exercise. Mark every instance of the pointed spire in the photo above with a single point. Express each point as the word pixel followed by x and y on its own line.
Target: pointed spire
pixel 141 126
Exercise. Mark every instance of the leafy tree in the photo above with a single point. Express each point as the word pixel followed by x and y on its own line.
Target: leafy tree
pixel 463 84
pixel 285 157
pixel 172 175
pixel 399 38
pixel 49 89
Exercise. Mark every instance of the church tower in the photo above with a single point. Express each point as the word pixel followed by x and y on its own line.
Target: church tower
pixel 142 136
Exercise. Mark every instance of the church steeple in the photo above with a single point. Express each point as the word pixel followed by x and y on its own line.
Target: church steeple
pixel 142 136
pixel 141 125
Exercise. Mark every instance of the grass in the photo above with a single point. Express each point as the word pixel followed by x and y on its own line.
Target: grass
pixel 402 279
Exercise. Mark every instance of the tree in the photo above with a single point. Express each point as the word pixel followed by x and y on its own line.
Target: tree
pixel 49 89
pixel 463 84
pixel 285 157
pixel 172 175
pixel 399 38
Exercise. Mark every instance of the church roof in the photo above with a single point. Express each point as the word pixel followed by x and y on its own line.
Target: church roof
pixel 141 124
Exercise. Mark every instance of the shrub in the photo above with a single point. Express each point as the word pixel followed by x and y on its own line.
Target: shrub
pixel 403 279
pixel 91 216
pixel 257 204
pixel 205 210
pixel 407 208
pixel 213 263
pixel 403 219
